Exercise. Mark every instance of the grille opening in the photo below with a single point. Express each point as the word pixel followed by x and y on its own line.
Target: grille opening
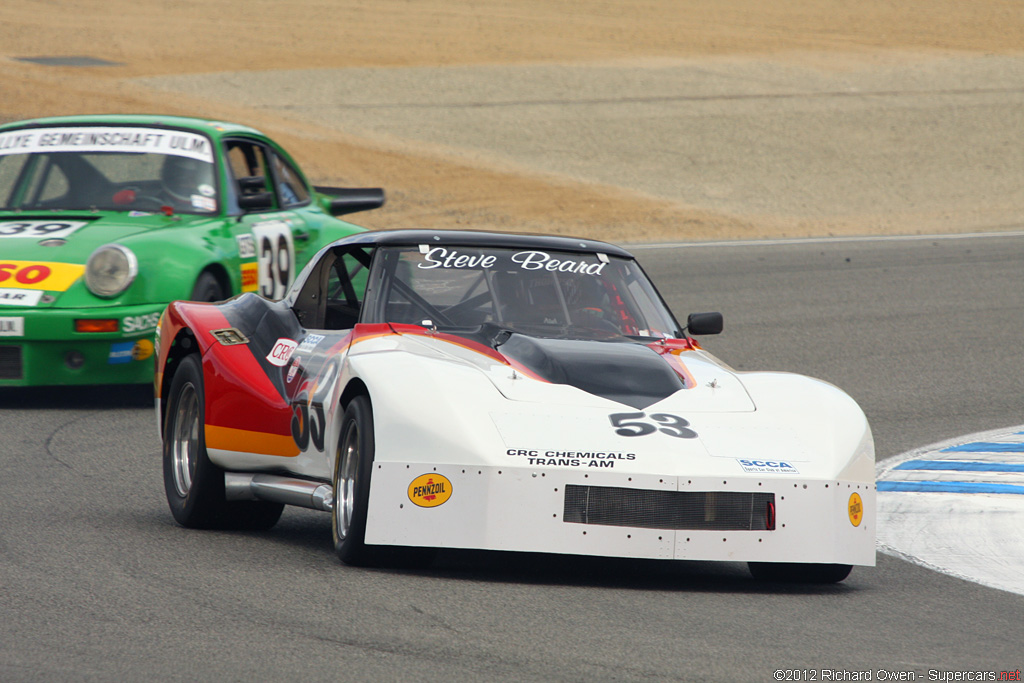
pixel 10 362
pixel 676 510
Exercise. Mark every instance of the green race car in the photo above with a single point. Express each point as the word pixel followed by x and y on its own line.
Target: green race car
pixel 106 219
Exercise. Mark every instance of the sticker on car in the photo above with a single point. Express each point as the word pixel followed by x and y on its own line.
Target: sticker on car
pixel 44 275
pixel 107 139
pixel 282 352
pixel 39 229
pixel 275 258
pixel 140 323
pixel 19 297
pixel 12 327
pixel 250 277
pixel 246 245
pixel 430 490
pixel 766 466
pixel 120 353
pixel 855 509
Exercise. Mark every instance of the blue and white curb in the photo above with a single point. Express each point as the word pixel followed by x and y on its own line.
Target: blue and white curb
pixel 958 507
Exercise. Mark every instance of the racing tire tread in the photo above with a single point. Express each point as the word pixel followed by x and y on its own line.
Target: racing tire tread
pixel 353 549
pixel 204 506
pixel 207 288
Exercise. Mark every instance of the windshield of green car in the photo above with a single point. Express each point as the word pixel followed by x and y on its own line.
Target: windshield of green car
pixel 534 290
pixel 108 169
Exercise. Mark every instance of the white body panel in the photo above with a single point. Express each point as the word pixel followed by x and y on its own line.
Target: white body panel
pixel 507 459
pixel 521 509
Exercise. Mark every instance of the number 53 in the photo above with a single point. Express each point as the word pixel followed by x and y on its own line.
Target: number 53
pixel 633 424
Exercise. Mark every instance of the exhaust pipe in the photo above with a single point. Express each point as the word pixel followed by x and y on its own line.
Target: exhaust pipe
pixel 277 489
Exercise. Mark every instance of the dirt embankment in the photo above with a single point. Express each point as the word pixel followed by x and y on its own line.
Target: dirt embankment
pixel 441 189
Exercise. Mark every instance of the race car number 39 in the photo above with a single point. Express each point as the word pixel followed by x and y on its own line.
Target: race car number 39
pixel 39 229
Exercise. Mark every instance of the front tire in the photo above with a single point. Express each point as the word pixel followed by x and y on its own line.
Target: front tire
pixel 195 486
pixel 353 464
pixel 799 572
pixel 207 288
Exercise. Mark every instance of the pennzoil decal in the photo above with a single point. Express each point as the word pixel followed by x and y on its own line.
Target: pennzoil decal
pixel 430 490
pixel 855 508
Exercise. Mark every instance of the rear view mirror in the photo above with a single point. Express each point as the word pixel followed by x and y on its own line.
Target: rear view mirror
pixel 343 200
pixel 255 202
pixel 704 323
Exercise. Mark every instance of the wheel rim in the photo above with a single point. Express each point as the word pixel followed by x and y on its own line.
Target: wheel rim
pixel 185 443
pixel 345 482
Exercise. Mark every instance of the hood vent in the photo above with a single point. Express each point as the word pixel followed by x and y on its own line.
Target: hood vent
pixel 620 370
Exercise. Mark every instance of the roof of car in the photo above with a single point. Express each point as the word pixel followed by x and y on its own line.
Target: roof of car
pixel 477 238
pixel 208 126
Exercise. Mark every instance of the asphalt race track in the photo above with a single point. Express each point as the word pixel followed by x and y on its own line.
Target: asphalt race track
pixel 98 583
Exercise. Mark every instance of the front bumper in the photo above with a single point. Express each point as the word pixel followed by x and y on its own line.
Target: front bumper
pixel 519 509
pixel 40 347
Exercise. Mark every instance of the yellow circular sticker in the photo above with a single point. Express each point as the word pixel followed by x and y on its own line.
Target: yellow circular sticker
pixel 855 508
pixel 142 350
pixel 430 490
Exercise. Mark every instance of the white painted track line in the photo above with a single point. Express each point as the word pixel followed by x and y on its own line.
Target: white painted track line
pixel 966 517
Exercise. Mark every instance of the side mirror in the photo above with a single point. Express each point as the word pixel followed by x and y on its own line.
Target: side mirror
pixel 704 323
pixel 255 202
pixel 343 200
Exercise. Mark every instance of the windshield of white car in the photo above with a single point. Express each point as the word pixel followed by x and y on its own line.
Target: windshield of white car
pixel 544 292
pixel 107 169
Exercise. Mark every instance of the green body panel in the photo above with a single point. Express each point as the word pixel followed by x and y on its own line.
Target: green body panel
pixel 256 249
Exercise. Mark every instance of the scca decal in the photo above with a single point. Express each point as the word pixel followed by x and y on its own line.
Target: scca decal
pixel 430 490
pixel 780 466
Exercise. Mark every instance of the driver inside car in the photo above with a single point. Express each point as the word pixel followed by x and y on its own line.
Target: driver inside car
pixel 188 183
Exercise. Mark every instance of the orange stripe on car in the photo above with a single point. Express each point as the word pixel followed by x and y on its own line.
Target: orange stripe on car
pixel 246 441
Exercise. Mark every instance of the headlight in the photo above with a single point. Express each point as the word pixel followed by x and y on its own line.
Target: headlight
pixel 110 270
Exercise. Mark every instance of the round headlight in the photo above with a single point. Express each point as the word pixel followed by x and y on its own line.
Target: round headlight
pixel 110 270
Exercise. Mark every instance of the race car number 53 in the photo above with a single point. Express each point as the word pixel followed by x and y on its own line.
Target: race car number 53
pixel 642 424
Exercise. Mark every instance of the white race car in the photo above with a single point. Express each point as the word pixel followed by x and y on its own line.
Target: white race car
pixel 504 392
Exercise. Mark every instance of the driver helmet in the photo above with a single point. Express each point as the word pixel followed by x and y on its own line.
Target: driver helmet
pixel 183 177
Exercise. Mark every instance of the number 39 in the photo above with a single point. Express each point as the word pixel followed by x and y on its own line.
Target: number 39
pixel 633 424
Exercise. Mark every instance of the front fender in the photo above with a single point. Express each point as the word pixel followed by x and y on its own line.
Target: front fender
pixel 429 408
pixel 824 420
